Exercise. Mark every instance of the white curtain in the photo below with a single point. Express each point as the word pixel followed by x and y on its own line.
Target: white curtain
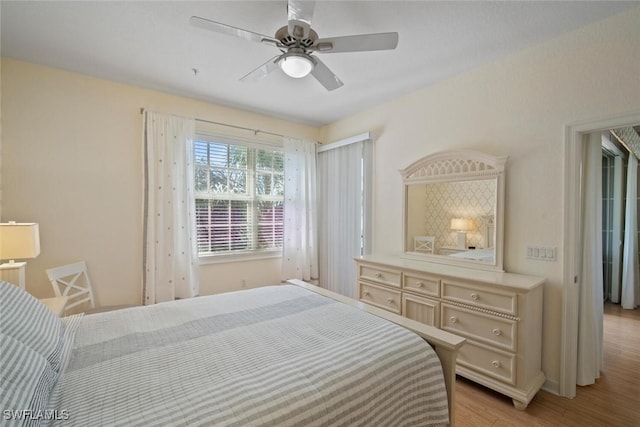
pixel 590 315
pixel 630 275
pixel 345 177
pixel 170 252
pixel 300 247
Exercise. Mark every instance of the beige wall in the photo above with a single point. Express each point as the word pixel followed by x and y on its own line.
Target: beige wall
pixel 518 107
pixel 72 161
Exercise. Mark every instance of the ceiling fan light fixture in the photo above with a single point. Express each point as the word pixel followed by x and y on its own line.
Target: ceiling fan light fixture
pixel 296 65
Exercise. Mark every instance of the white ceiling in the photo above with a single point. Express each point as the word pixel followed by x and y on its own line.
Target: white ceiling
pixel 152 45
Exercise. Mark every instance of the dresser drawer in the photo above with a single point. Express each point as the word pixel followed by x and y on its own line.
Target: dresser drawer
pixel 486 328
pixel 493 363
pixel 425 285
pixel 502 301
pixel 423 310
pixel 387 299
pixel 379 275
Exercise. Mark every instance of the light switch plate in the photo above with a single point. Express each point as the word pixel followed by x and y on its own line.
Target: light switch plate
pixel 542 253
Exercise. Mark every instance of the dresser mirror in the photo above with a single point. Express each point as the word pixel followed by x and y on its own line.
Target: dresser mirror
pixel 453 209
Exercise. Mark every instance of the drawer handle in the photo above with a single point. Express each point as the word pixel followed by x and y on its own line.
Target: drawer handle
pixel 496 332
pixel 366 293
pixel 378 275
pixel 390 301
pixel 474 297
pixel 495 364
pixel 419 284
pixel 453 319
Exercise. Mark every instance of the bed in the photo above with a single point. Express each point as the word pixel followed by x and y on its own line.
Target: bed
pixel 283 355
pixel 483 254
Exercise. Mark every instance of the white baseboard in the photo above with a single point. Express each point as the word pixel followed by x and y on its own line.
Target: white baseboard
pixel 551 386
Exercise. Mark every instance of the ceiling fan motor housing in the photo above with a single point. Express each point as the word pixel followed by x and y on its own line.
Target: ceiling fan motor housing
pixel 289 41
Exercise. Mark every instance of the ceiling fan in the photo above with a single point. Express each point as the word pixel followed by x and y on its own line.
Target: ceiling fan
pixel 298 43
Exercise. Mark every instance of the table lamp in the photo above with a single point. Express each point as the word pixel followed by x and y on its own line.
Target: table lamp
pixel 17 241
pixel 461 226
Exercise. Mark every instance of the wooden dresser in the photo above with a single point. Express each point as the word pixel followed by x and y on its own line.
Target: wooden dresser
pixel 500 314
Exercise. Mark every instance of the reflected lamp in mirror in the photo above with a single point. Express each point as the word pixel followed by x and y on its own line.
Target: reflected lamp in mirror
pixel 18 241
pixel 461 226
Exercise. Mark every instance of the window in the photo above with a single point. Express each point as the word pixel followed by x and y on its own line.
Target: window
pixel 239 192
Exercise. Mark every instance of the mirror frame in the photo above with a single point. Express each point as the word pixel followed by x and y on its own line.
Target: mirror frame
pixel 454 166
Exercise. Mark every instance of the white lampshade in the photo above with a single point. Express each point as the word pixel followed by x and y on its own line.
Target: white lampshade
pixel 461 224
pixel 19 240
pixel 296 65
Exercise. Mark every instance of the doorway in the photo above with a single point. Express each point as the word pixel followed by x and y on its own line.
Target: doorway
pixel 573 222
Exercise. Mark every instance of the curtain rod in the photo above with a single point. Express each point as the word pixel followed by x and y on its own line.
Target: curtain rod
pixel 352 139
pixel 255 131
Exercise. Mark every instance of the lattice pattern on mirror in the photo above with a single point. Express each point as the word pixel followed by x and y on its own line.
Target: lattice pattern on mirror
pixel 473 200
pixel 453 167
pixel 454 164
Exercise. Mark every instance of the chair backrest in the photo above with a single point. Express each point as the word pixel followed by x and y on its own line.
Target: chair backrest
pixel 72 281
pixel 423 244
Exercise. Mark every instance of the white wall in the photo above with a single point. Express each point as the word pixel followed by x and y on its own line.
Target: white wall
pixel 72 161
pixel 518 107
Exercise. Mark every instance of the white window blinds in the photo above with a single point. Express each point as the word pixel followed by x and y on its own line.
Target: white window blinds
pixel 239 197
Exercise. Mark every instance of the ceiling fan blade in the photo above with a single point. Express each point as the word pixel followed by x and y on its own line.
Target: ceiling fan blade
pixel 358 43
pixel 300 14
pixel 262 71
pixel 325 76
pixel 218 27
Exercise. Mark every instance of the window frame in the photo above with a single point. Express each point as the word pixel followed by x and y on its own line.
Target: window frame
pixel 252 198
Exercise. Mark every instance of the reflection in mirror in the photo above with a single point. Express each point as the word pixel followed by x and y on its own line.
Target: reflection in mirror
pixel 453 209
pixel 457 217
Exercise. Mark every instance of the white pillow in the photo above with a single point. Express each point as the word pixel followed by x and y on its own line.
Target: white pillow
pixel 27 380
pixel 27 320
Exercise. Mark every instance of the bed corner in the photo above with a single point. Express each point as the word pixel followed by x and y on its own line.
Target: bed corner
pixel 446 345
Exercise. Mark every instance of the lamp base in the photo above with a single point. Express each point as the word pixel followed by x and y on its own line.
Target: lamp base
pixel 13 272
pixel 461 240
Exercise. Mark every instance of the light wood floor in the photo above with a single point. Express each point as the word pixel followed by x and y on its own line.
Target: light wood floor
pixel 613 401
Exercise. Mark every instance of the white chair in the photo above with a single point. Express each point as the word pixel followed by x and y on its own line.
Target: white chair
pixel 72 281
pixel 424 244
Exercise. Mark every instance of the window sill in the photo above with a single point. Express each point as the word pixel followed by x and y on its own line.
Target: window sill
pixel 240 257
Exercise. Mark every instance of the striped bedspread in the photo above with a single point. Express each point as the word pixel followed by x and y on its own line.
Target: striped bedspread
pixel 272 356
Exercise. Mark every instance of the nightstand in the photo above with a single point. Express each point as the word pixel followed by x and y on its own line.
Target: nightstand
pixel 55 304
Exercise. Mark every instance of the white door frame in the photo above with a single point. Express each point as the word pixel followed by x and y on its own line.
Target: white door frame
pixel 573 150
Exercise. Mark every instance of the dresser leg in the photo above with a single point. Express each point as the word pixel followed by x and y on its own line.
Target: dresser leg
pixel 521 406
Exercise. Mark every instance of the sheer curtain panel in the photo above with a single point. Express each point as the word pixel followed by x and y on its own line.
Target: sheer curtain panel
pixel 630 275
pixel 345 196
pixel 300 248
pixel 170 253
